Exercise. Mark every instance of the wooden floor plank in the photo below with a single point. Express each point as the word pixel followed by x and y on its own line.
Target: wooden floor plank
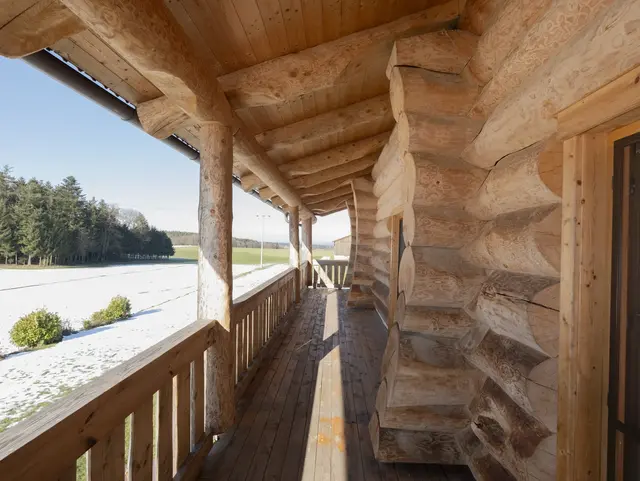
pixel 305 415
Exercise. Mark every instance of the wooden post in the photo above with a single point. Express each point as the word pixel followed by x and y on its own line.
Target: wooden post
pixel 294 248
pixel 214 272
pixel 584 307
pixel 307 250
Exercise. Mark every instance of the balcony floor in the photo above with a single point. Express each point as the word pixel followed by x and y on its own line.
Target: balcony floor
pixel 305 415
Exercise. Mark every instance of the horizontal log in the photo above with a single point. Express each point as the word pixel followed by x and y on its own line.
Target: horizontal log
pixel 324 160
pixel 605 50
pixel 38 26
pixel 419 418
pixel 329 205
pixel 330 195
pixel 432 182
pixel 530 178
pixel 446 51
pixel 380 262
pixel 400 446
pixel 443 136
pixel 564 20
pixel 393 169
pixel 393 200
pixel 363 185
pixel 389 151
pixel 441 322
pixel 325 175
pixel 329 64
pixel 544 319
pixel 437 277
pixel 331 185
pixel 528 246
pixel 478 15
pixel 382 245
pixel 414 383
pixel 429 228
pixel 367 214
pixel 511 24
pixel 418 91
pixel 368 114
pixel 381 277
pixel 381 291
pixel 161 118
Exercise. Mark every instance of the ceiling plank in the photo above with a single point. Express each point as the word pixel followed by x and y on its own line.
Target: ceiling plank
pixel 40 25
pixel 375 112
pixel 326 65
pixel 147 35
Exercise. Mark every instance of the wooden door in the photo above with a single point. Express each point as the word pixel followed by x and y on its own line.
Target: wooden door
pixel 624 381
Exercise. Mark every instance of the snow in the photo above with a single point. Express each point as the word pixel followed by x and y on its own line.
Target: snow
pixel 163 297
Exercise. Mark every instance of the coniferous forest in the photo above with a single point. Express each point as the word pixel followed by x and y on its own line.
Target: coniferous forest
pixel 56 225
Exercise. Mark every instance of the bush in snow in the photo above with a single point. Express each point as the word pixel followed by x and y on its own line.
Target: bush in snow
pixel 37 329
pixel 119 308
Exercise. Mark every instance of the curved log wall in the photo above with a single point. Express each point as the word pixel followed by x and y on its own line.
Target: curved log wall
pixel 472 355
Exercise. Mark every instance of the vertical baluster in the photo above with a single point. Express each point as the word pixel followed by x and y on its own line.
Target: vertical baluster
pixel 197 399
pixel 234 368
pixel 254 337
pixel 181 416
pixel 245 342
pixel 237 353
pixel 164 442
pixel 242 337
pixel 105 461
pixel 141 446
pixel 250 338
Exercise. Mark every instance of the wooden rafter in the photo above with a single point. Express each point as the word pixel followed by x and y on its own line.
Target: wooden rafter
pixel 328 64
pixel 374 112
pixel 148 36
pixel 324 160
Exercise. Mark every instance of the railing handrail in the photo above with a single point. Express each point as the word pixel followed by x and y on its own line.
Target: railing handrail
pixel 324 262
pixel 65 430
pixel 263 289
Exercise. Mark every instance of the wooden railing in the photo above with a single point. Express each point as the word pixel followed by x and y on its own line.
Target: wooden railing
pixel 145 418
pixel 330 273
pixel 257 316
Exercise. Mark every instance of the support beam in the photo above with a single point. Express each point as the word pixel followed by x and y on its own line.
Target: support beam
pixel 331 195
pixel 307 251
pixel 325 175
pixel 294 248
pixel 334 157
pixel 161 118
pixel 330 205
pixel 331 185
pixel 147 35
pixel 215 280
pixel 40 25
pixel 328 64
pixel 374 112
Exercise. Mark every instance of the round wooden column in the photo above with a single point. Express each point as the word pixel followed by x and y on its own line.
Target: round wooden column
pixel 294 247
pixel 307 250
pixel 215 279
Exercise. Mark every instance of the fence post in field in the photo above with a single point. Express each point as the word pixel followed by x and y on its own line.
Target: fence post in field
pixel 294 248
pixel 214 272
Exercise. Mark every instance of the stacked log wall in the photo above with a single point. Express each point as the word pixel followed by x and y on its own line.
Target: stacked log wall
pixel 363 223
pixel 473 351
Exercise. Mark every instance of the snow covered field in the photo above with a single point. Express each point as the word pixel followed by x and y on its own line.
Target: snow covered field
pixel 163 301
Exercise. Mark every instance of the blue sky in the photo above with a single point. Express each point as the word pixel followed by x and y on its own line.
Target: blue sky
pixel 49 132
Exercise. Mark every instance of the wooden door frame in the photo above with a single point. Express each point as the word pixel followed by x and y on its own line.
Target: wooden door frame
pixel 589 129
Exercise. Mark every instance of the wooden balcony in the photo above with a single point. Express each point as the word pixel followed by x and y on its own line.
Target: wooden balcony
pixel 306 378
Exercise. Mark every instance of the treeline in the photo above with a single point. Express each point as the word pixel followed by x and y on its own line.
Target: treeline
pixel 55 224
pixel 180 238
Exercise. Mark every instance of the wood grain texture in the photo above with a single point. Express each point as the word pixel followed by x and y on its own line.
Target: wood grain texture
pixel 214 272
pixel 605 50
pixel 40 25
pixel 327 65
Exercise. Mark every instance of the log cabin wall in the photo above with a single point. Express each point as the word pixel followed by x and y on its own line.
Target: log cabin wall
pixel 470 370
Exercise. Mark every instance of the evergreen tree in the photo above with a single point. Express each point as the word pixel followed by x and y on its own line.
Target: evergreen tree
pixel 56 224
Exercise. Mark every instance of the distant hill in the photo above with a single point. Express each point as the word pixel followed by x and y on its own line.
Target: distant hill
pixel 180 238
pixel 191 239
